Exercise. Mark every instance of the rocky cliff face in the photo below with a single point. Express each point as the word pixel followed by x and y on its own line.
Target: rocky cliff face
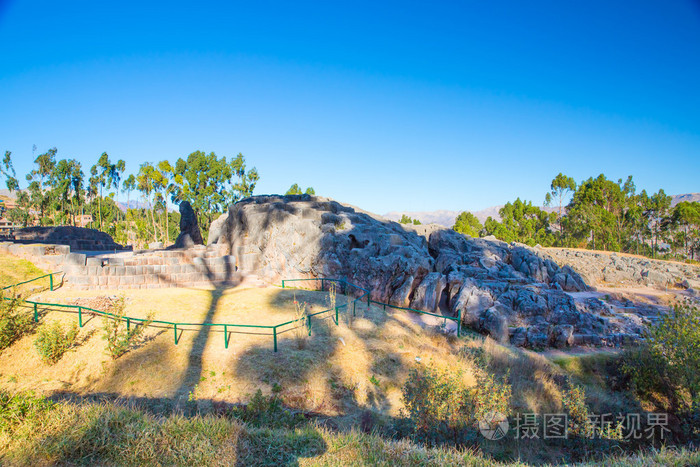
pixel 508 291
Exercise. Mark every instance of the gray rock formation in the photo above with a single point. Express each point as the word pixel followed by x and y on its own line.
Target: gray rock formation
pixel 511 292
pixel 189 228
pixel 618 269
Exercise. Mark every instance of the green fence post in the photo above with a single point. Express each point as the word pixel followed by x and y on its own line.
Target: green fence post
pixel 226 332
pixel 323 284
pixel 384 305
pixel 368 301
pixel 80 316
pixel 336 316
pixel 308 323
pixel 36 314
pixel 175 332
pixel 282 283
pixel 128 324
pixel 274 337
pixel 354 302
pixel 51 282
pixel 459 322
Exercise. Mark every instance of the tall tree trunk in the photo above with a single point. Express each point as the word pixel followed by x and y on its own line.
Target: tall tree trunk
pixel 153 221
pixel 99 206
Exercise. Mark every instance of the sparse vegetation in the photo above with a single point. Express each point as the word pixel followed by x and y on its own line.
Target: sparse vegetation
pixel 120 336
pixel 668 364
pixel 53 341
pixel 301 331
pixel 14 323
pixel 268 412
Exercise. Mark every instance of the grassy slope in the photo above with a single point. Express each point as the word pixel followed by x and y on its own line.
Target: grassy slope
pixel 14 270
pixel 108 434
pixel 340 374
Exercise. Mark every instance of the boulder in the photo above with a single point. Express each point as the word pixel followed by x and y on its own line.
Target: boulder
pixel 495 325
pixel 563 335
pixel 189 228
pixel 495 286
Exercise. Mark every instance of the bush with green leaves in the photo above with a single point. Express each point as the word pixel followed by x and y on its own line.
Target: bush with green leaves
pixel 121 335
pixel 670 358
pixel 669 363
pixel 437 404
pixel 53 341
pixel 13 322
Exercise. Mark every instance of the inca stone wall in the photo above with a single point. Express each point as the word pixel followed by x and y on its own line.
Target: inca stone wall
pixel 77 238
pixel 194 267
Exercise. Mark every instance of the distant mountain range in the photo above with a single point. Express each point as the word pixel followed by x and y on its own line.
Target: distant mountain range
pixel 447 218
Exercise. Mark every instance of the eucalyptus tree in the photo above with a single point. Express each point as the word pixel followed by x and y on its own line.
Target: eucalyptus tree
pixel 561 186
pixel 145 184
pixel 211 183
pixel 8 170
pixel 656 210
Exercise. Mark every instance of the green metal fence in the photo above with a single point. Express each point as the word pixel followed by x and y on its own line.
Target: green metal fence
pixel 229 328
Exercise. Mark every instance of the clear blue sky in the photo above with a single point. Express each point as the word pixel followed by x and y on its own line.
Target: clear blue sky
pixel 386 105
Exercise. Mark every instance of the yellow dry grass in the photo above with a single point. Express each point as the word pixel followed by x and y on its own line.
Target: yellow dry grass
pixel 341 370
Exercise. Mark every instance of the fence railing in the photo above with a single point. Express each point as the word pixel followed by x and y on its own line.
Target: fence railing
pixel 50 276
pixel 226 327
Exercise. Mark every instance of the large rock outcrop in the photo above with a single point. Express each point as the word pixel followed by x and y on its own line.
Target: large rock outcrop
pixel 508 291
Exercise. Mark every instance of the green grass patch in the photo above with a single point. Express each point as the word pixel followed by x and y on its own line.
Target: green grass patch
pixel 14 270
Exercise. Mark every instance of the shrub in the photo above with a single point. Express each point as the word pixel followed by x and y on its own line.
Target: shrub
pixel 437 404
pixel 669 361
pixel 574 401
pixel 53 341
pixel 13 323
pixel 118 336
pixel 581 421
pixel 491 395
pixel 268 412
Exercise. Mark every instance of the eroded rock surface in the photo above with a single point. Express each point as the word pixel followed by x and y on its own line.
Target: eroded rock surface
pixel 509 291
pixel 620 270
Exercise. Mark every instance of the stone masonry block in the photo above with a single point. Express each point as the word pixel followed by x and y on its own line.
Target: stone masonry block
pixel 77 259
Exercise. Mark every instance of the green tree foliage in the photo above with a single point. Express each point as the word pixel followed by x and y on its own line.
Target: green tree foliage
pixel 561 187
pixel 522 222
pixel 211 183
pixel 600 210
pixel 295 189
pixel 407 220
pixel 467 224
pixel 686 218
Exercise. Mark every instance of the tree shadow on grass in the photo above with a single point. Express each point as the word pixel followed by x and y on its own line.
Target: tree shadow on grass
pixel 146 431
